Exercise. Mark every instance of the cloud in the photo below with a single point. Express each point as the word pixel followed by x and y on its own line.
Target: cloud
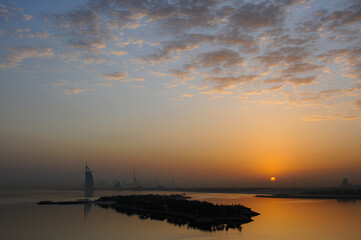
pixel 186 43
pixel 69 90
pixel 24 33
pixel 78 90
pixel 334 21
pixel 42 35
pixel 21 33
pixel 70 57
pixel 27 17
pixel 16 54
pixel 172 84
pixel 222 83
pixel 274 80
pixel 274 88
pixel 283 56
pixel 348 57
pixel 159 74
pixel 6 12
pixel 313 98
pixel 220 58
pixel 187 95
pixel 315 118
pixel 83 26
pixel 216 91
pixel 119 53
pixel 117 76
pixel 139 42
pixel 257 15
pixel 94 59
pixel 105 84
pixel 122 77
pixel 300 68
pixel 183 75
pixel 219 45
pixel 61 83
pixel 303 80
pixel 324 117
pixel 358 103
pixel 180 16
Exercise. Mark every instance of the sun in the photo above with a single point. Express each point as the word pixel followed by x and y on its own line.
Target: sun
pixel 273 179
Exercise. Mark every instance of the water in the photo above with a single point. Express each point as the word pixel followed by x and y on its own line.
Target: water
pixel 21 218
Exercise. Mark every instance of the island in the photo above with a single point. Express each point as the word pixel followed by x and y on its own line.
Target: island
pixel 176 209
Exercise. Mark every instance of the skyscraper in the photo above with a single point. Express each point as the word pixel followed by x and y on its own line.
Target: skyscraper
pixel 89 182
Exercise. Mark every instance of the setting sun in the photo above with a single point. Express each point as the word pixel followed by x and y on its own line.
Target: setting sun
pixel 273 179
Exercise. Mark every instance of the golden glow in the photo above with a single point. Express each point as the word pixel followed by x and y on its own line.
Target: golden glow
pixel 273 179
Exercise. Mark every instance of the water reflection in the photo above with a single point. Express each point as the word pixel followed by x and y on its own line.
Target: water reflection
pixel 180 221
pixel 347 200
pixel 87 208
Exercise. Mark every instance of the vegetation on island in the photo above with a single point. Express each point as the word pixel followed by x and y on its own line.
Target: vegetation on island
pixel 177 209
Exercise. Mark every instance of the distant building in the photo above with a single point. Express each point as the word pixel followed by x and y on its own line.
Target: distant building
pixel 89 182
pixel 134 178
pixel 346 184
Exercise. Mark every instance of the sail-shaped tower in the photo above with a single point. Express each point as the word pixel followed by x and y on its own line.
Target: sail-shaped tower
pixel 89 182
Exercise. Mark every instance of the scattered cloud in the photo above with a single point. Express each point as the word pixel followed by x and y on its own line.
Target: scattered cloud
pixel 27 17
pixel 159 74
pixel 42 34
pixel 302 81
pixel 122 77
pixel 61 83
pixel 105 84
pixel 94 59
pixel 358 103
pixel 320 117
pixel 300 68
pixel 117 76
pixel 223 58
pixel 276 48
pixel 78 90
pixel 183 75
pixel 274 88
pixel 21 33
pixel 16 54
pixel 119 53
pixel 222 83
pixel 83 26
pixel 6 12
pixel 25 33
pixel 186 43
pixel 187 95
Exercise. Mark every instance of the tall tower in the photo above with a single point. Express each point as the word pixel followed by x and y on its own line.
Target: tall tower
pixel 89 182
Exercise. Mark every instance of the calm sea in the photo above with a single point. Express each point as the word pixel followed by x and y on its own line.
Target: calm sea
pixel 21 218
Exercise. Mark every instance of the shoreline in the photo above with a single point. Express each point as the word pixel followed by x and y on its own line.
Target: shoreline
pixel 306 196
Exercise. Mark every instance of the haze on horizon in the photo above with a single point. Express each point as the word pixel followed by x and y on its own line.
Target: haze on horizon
pixel 222 93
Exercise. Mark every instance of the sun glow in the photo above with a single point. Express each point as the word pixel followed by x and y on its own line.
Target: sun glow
pixel 273 179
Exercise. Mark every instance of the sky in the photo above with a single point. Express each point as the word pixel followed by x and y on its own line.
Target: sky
pixel 208 93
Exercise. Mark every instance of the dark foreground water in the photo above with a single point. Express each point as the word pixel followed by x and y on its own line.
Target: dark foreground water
pixel 291 219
